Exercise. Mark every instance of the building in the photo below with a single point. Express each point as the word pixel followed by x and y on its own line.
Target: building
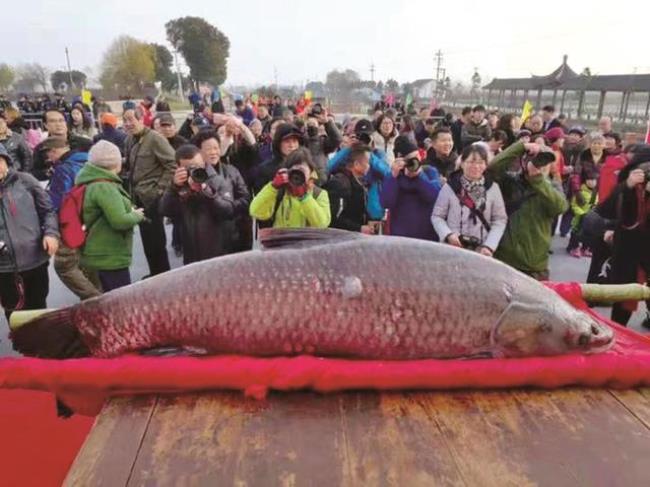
pixel 565 80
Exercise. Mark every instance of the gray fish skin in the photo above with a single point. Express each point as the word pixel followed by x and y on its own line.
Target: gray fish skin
pixel 371 298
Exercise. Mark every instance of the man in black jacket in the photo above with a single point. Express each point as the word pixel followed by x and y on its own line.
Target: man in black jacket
pixel 206 199
pixel 348 196
pixel 56 126
pixel 441 154
pixel 169 131
pixel 457 126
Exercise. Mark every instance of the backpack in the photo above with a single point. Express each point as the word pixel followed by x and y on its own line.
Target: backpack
pixel 71 225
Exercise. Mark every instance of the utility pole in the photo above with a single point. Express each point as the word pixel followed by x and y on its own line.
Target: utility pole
pixel 275 78
pixel 178 74
pixel 67 57
pixel 439 71
pixel 372 72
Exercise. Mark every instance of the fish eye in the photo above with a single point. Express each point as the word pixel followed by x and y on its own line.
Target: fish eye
pixel 595 330
pixel 583 340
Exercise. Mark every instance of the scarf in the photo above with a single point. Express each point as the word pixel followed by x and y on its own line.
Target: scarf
pixel 475 190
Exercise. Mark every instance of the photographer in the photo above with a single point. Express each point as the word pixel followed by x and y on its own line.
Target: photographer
pixel 379 168
pixel 470 212
pixel 321 144
pixel 410 192
pixel 286 139
pixel 441 154
pixel 292 199
pixel 206 200
pixel 629 207
pixel 15 145
pixel 532 203
pixel 347 194
pixel 29 236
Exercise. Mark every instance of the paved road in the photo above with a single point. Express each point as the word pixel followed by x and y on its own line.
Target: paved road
pixel 563 268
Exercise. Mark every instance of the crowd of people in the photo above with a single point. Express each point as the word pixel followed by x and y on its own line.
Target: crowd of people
pixel 483 181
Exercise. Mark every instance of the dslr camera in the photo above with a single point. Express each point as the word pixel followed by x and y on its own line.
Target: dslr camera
pixel 297 178
pixel 198 174
pixel 469 242
pixel 412 164
pixel 543 158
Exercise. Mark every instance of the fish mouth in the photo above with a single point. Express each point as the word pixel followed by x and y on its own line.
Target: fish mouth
pixel 599 338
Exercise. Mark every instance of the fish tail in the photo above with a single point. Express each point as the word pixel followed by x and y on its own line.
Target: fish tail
pixel 51 335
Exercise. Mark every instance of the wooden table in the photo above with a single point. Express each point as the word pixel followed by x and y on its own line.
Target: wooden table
pixel 566 437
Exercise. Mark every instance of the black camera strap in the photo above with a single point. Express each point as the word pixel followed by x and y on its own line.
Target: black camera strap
pixel 466 200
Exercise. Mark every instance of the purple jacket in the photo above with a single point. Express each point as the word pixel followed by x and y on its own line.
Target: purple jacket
pixel 410 201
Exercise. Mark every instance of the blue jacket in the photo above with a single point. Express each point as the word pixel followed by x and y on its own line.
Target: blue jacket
pixel 410 202
pixel 379 171
pixel 65 172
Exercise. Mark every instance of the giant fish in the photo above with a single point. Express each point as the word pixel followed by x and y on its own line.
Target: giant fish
pixel 326 293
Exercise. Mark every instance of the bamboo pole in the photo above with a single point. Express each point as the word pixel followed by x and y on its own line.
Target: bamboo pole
pixel 614 293
pixel 19 318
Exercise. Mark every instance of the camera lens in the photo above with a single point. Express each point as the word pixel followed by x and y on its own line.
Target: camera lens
pixel 297 177
pixel 412 164
pixel 198 175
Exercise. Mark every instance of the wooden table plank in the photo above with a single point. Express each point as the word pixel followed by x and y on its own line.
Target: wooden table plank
pixel 293 439
pixel 109 452
pixel 522 437
pixel 637 402
pixel 563 437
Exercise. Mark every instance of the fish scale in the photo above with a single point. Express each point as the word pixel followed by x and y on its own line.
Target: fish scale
pixel 374 298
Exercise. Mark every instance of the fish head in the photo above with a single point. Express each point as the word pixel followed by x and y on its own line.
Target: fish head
pixel 542 330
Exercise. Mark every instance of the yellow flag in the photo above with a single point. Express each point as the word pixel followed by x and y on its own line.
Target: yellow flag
pixel 308 95
pixel 527 111
pixel 86 97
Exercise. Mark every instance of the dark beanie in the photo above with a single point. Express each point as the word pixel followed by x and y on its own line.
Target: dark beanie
pixel 403 146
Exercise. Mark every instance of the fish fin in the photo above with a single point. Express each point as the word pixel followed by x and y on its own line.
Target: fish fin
pixel 517 329
pixel 52 335
pixel 278 238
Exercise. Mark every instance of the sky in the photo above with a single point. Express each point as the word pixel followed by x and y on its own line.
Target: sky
pixel 303 40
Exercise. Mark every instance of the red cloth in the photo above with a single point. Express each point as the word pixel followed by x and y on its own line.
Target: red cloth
pixel 37 447
pixel 84 383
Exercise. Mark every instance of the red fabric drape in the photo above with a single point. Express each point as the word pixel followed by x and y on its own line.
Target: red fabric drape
pixel 85 383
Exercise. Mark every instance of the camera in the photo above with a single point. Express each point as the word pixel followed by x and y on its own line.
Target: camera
pixel 543 158
pixel 316 110
pixel 364 138
pixel 3 247
pixel 469 242
pixel 297 178
pixel 412 164
pixel 198 174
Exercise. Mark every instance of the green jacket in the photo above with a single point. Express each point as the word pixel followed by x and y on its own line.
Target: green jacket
pixel 527 238
pixel 109 218
pixel 151 162
pixel 589 200
pixel 293 212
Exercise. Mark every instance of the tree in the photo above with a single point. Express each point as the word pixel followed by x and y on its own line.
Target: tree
pixel 341 83
pixel 31 76
pixel 128 65
pixel 7 76
pixel 204 48
pixel 392 85
pixel 57 78
pixel 476 80
pixel 163 60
